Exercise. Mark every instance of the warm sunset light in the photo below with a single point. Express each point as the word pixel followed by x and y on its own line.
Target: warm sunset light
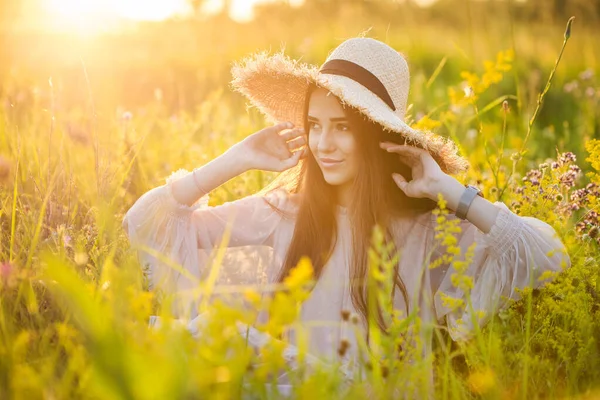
pixel 133 9
pixel 98 15
pixel 174 224
pixel 93 16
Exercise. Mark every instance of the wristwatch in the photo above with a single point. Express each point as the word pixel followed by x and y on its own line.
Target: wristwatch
pixel 466 199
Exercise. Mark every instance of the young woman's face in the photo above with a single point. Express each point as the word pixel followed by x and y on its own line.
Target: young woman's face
pixel 331 139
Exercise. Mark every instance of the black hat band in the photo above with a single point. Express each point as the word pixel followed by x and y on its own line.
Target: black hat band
pixel 359 74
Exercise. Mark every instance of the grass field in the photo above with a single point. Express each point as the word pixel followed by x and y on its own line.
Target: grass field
pixel 90 123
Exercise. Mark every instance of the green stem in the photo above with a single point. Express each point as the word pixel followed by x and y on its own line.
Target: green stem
pixel 13 220
pixel 540 101
pixel 501 155
pixel 527 339
pixel 514 49
pixel 548 84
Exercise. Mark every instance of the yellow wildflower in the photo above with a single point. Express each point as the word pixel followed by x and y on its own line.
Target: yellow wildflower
pixel 482 381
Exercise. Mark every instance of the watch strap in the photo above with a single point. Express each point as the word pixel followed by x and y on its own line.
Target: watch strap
pixel 465 201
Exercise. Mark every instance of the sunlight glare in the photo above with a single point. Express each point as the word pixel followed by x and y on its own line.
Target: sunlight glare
pixel 92 16
pixel 241 10
pixel 154 10
pixel 88 16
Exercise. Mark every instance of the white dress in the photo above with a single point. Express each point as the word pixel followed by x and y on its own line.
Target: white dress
pixel 515 252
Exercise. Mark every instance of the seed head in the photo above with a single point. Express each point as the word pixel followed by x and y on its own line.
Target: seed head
pixel 590 92
pixel 345 315
pixel 586 75
pixel 567 157
pixel 568 29
pixel 385 371
pixel 343 348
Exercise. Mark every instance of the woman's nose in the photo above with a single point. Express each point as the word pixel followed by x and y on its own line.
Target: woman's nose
pixel 326 142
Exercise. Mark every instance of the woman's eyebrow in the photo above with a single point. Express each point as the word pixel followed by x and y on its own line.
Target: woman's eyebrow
pixel 331 119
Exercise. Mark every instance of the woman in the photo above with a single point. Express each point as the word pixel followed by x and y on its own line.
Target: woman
pixel 350 162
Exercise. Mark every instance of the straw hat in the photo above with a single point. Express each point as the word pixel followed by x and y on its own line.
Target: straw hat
pixel 364 73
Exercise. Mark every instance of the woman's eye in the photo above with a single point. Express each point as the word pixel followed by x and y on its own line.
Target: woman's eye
pixel 311 125
pixel 341 127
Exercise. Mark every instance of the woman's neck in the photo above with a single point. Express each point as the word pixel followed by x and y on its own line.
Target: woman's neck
pixel 344 194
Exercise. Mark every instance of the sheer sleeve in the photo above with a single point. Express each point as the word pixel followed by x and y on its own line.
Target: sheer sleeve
pixel 175 242
pixel 517 252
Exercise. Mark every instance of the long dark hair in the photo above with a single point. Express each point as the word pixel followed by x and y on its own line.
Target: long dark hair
pixel 376 200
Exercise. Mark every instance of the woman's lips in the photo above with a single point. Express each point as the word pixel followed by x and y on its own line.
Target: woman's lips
pixel 330 162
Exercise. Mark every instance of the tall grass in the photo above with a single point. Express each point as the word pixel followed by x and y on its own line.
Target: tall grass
pixel 74 309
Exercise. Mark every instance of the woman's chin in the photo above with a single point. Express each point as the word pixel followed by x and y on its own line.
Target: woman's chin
pixel 335 180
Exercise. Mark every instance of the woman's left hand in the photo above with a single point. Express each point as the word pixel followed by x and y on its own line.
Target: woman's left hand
pixel 427 176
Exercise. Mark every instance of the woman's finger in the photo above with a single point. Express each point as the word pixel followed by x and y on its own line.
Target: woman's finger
pixel 285 153
pixel 282 125
pixel 409 153
pixel 400 181
pixel 291 161
pixel 385 145
pixel 403 148
pixel 292 134
pixel 277 128
pixel 304 152
pixel 296 143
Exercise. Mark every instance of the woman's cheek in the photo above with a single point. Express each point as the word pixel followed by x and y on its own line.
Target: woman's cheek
pixel 313 142
pixel 349 146
pixel 347 142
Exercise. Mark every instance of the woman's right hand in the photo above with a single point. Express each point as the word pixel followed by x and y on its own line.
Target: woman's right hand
pixel 275 148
